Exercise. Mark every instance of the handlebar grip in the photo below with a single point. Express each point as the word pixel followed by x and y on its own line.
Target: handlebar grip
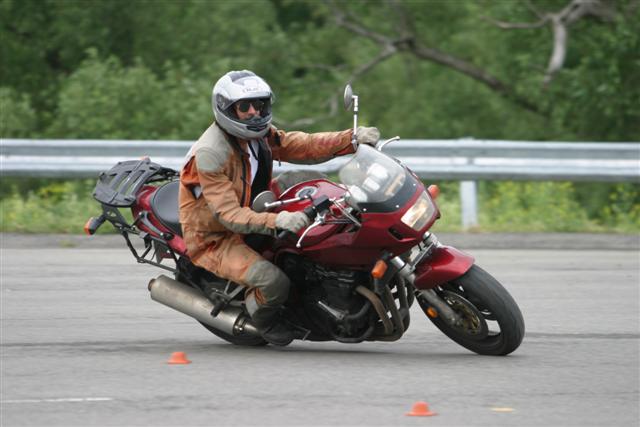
pixel 286 235
pixel 310 212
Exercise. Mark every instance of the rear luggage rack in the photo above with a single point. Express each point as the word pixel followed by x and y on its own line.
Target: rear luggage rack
pixel 119 185
pixel 118 188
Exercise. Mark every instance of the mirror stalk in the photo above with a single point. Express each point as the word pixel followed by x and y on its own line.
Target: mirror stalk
pixel 355 122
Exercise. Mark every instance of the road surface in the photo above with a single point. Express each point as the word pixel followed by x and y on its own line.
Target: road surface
pixel 83 345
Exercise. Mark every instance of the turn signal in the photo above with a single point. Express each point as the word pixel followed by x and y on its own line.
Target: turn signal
pixel 379 269
pixel 93 224
pixel 432 313
pixel 87 227
pixel 434 191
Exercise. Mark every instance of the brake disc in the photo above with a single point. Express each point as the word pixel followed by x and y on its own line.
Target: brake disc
pixel 472 324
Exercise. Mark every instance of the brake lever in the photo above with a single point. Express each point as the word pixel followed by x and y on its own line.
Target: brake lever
pixel 319 221
pixel 381 145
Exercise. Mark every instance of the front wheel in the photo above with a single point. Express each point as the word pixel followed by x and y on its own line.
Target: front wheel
pixel 490 321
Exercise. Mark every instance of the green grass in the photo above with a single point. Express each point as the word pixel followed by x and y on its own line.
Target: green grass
pixel 54 207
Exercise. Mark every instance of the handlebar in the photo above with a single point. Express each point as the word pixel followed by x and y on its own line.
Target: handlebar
pixel 311 213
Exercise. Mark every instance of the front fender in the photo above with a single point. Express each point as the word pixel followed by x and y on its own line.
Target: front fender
pixel 445 264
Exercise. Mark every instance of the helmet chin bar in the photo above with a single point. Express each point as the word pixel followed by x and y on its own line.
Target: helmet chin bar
pixel 257 128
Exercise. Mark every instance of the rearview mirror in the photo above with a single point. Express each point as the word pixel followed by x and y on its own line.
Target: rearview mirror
pixel 261 200
pixel 348 97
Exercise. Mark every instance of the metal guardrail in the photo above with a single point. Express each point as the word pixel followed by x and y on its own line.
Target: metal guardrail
pixel 431 159
pixel 466 160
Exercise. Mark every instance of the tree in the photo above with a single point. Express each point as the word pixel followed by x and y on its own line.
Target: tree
pixel 408 32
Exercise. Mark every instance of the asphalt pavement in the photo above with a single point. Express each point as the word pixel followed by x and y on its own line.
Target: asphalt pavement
pixel 82 344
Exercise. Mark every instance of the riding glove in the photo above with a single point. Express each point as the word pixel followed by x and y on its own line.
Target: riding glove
pixel 367 135
pixel 292 221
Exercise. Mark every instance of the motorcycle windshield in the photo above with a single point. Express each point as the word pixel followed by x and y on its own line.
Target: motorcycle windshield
pixel 372 177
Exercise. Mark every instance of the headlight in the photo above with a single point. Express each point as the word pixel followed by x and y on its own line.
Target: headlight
pixel 420 213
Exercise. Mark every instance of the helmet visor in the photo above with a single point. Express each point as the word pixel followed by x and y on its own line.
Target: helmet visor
pixel 261 105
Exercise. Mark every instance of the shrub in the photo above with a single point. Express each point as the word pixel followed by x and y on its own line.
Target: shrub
pixel 623 210
pixel 59 207
pixel 532 206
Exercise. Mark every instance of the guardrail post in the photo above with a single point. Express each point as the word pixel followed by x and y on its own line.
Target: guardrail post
pixel 469 204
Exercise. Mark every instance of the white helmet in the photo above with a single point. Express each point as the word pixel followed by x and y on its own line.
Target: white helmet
pixel 240 85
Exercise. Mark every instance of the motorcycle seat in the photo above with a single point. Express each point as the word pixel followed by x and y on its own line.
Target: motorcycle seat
pixel 164 205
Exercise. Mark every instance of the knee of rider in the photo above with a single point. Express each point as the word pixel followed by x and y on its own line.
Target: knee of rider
pixel 270 280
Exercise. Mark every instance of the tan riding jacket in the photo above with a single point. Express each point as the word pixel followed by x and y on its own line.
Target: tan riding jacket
pixel 219 164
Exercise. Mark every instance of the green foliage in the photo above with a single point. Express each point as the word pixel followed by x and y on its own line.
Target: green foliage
pixel 601 91
pixel 533 206
pixel 17 117
pixel 623 210
pixel 104 99
pixel 145 69
pixel 558 206
pixel 62 207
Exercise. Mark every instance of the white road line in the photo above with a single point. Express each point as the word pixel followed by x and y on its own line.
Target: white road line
pixel 59 400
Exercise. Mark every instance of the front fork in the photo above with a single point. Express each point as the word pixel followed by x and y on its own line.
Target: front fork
pixel 406 269
pixel 441 308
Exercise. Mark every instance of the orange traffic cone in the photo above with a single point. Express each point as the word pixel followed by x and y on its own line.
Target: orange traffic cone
pixel 420 409
pixel 179 358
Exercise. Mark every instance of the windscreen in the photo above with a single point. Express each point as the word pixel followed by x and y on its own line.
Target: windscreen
pixel 371 176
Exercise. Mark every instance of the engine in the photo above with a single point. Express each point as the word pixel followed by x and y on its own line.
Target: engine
pixel 330 299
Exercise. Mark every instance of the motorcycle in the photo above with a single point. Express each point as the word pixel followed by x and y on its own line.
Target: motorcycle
pixel 355 270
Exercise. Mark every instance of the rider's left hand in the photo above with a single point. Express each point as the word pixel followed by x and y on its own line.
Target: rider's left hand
pixel 367 135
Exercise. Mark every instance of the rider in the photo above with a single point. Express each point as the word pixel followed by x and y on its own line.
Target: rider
pixel 225 169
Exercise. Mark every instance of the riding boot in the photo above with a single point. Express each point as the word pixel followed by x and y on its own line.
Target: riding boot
pixel 269 323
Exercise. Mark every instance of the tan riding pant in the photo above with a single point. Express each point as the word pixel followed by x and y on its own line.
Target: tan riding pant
pixel 230 258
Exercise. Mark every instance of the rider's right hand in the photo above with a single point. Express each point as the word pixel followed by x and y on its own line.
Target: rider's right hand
pixel 367 135
pixel 292 221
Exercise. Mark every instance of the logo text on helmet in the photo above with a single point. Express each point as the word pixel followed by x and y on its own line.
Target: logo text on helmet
pixel 250 85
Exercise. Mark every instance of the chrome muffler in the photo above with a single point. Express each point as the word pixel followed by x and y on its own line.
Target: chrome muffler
pixel 189 301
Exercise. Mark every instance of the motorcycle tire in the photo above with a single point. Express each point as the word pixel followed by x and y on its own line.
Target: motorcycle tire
pixel 478 298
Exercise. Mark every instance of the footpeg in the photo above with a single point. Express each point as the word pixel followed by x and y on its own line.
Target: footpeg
pixel 299 332
pixel 218 305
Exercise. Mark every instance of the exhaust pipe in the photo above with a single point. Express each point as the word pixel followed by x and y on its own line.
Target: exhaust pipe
pixel 189 301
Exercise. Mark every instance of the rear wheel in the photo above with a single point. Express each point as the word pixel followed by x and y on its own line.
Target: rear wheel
pixel 491 322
